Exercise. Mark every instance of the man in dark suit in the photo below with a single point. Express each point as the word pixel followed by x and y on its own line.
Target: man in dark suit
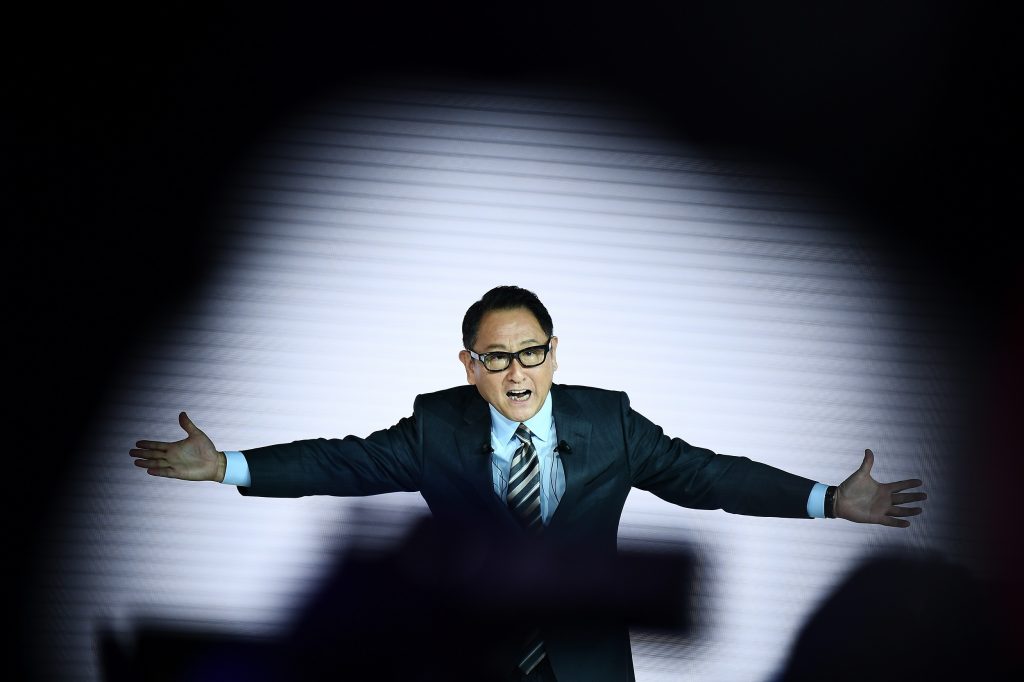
pixel 523 459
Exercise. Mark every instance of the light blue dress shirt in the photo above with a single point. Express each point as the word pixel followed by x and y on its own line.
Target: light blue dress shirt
pixel 504 444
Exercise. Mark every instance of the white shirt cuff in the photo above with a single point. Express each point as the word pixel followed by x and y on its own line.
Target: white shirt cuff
pixel 815 501
pixel 237 470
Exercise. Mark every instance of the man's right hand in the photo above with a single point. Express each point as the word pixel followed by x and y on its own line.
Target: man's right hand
pixel 193 459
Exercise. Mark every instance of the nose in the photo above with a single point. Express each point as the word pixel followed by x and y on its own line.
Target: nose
pixel 515 372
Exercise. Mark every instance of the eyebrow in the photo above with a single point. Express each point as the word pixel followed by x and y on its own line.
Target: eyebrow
pixel 501 347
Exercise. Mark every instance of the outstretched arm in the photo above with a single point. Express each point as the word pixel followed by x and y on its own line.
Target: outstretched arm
pixel 192 459
pixel 862 499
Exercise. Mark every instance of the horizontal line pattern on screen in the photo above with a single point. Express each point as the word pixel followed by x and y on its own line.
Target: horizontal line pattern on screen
pixel 736 303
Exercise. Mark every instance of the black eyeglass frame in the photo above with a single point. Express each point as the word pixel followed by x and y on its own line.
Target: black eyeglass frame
pixel 482 357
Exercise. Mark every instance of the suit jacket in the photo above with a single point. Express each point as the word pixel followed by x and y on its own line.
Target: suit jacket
pixel 442 451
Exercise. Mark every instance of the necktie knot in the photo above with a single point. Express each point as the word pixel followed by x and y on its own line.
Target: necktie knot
pixel 524 434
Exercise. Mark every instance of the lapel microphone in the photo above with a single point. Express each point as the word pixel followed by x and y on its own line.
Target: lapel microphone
pixel 563 448
pixel 486 449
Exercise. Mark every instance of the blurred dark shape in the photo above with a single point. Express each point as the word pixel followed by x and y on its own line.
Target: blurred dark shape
pixel 899 617
pixel 159 654
pixel 440 607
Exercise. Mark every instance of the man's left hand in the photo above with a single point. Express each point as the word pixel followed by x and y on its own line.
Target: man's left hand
pixel 862 499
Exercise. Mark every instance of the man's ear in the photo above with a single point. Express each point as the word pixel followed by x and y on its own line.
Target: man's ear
pixel 468 362
pixel 554 360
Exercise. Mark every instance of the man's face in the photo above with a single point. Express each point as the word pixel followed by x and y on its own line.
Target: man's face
pixel 517 392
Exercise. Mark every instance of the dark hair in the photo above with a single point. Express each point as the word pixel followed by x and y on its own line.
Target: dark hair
pixel 503 298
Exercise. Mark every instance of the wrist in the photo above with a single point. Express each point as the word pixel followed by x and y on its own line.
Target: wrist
pixel 831 501
pixel 222 467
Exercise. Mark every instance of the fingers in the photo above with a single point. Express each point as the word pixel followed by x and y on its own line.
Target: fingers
pixel 869 461
pixel 903 511
pixel 903 485
pixel 150 445
pixel 186 423
pixel 155 467
pixel 894 514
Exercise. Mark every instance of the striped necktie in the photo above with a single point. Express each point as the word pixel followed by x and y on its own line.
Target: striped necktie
pixel 524 502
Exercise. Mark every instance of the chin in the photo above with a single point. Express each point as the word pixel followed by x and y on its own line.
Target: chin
pixel 521 411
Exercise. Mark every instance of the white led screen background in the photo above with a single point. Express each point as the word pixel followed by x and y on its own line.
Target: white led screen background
pixel 738 307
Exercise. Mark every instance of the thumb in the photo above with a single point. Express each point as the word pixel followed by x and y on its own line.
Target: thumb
pixel 187 424
pixel 869 461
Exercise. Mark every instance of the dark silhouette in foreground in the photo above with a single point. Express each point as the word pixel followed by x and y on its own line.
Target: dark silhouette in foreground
pixel 437 608
pixel 947 626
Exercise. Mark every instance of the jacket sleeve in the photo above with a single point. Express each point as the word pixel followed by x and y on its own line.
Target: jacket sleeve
pixel 386 461
pixel 696 477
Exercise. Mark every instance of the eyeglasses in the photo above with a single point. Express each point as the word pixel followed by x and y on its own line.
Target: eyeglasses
pixel 500 360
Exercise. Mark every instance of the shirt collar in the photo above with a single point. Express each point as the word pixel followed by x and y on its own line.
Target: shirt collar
pixel 504 429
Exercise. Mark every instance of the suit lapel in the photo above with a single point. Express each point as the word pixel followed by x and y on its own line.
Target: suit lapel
pixel 573 428
pixel 473 441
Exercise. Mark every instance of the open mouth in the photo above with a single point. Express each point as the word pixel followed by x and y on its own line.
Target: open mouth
pixel 519 396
